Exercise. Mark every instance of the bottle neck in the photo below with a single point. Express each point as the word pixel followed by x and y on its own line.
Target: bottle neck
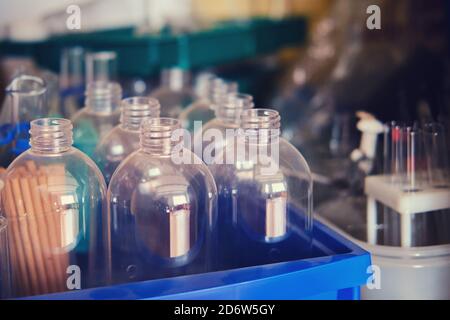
pixel 159 136
pixel 136 109
pixel 203 85
pixel 261 126
pixel 230 108
pixel 103 97
pixel 50 135
pixel 176 79
pixel 219 91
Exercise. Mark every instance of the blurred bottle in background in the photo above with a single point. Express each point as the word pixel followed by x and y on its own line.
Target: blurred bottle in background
pixel 174 93
pixel 98 117
pixel 123 140
pixel 72 80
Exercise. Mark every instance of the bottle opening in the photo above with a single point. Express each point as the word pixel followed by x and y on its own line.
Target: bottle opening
pixel 260 124
pixel 160 135
pixel 137 109
pixel 103 97
pixel 27 85
pixel 232 105
pixel 51 135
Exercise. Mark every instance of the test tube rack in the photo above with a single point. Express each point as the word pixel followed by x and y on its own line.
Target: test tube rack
pixel 406 202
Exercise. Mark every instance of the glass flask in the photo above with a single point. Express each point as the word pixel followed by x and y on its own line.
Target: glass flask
pixel 174 94
pixel 163 210
pixel 210 94
pixel 265 195
pixel 99 116
pixel 227 110
pixel 54 200
pixel 26 100
pixel 4 260
pixel 72 84
pixel 121 141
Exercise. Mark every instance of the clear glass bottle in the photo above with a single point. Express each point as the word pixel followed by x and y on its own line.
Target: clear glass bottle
pixel 210 93
pixel 227 110
pixel 121 141
pixel 174 94
pixel 265 195
pixel 72 66
pixel 99 116
pixel 26 100
pixel 54 200
pixel 163 214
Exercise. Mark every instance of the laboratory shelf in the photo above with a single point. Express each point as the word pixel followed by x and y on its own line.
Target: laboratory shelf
pixel 335 272
pixel 145 54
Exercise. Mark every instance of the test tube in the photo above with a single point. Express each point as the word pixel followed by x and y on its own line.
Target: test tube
pixel 416 165
pixel 101 66
pixel 72 67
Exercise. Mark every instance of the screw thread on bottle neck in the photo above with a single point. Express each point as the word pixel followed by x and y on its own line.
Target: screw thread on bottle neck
pixel 103 97
pixel 260 125
pixel 136 109
pixel 230 108
pixel 160 135
pixel 50 135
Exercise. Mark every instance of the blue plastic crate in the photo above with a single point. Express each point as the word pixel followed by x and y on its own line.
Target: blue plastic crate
pixel 336 272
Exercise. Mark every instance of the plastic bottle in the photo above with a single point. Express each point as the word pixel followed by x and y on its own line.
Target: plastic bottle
pixel 227 110
pixel 211 91
pixel 121 141
pixel 54 200
pixel 174 94
pixel 201 108
pixel 265 194
pixel 164 213
pixel 99 116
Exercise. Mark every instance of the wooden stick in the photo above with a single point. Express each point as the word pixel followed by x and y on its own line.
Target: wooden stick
pixel 50 218
pixel 49 260
pixel 36 242
pixel 16 245
pixel 58 178
pixel 28 247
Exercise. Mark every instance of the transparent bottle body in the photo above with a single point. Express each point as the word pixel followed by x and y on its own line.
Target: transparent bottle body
pixel 163 218
pixel 118 144
pixel 56 207
pixel 219 129
pixel 265 212
pixel 91 127
pixel 199 110
pixel 173 101
pixel 265 194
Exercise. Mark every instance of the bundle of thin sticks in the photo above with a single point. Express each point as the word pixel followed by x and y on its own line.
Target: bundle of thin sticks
pixel 36 231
